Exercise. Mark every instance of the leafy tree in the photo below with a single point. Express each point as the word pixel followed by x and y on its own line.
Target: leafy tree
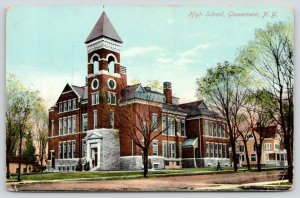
pixel 40 124
pixel 155 85
pixel 224 92
pixel 20 103
pixel 135 81
pixel 29 150
pixel 271 56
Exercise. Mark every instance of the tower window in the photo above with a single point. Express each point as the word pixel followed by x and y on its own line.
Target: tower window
pixel 95 84
pixel 95 64
pixel 111 65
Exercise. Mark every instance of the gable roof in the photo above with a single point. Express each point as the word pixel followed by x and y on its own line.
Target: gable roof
pixel 139 92
pixel 103 28
pixel 268 132
pixel 80 91
pixel 198 108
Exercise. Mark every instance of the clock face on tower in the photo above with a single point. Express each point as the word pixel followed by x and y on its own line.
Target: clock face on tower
pixel 111 84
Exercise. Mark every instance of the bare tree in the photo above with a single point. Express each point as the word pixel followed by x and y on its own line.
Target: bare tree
pixel 224 93
pixel 260 109
pixel 141 123
pixel 271 56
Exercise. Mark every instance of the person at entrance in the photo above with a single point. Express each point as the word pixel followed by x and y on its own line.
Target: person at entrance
pixel 219 166
pixel 93 162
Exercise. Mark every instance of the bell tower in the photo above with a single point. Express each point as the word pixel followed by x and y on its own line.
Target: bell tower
pixel 103 47
pixel 105 76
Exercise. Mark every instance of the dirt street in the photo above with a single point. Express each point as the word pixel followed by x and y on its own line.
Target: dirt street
pixel 177 183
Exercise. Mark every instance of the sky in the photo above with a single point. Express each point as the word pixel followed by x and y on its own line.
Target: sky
pixel 45 44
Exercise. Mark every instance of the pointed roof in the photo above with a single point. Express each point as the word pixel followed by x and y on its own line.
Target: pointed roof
pixel 103 28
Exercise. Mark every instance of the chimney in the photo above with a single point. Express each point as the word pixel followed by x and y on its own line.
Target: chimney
pixel 168 92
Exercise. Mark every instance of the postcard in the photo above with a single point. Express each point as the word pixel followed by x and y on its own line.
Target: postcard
pixel 149 98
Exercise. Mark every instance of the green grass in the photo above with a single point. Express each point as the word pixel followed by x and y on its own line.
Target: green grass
pixel 122 174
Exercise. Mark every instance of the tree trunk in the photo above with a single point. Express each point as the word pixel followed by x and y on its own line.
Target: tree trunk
pixel 259 158
pixel 41 159
pixel 7 169
pixel 290 163
pixel 20 153
pixel 145 150
pixel 247 154
pixel 234 156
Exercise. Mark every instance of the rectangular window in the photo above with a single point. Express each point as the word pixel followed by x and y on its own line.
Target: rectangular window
pixel 171 123
pixel 165 149
pixel 206 128
pixel 243 158
pixel 178 126
pixel 220 151
pixel 277 146
pixel 65 150
pixel 74 124
pixel 211 126
pixel 83 148
pixel 112 119
pixel 60 128
pixel 69 124
pixel 84 122
pixel 65 106
pixel 60 107
pixel 52 127
pixel 211 149
pixel 172 150
pixel 224 153
pixel 144 127
pixel 95 98
pixel 215 130
pixel 95 120
pixel 216 150
pixel 154 122
pixel 253 157
pixel 183 128
pixel 111 98
pixel 268 146
pixel 223 130
pixel 74 103
pixel 219 131
pixel 65 125
pixel 242 148
pixel 69 152
pixel 164 125
pixel 207 149
pixel 73 149
pixel 60 156
pixel 69 105
pixel 155 149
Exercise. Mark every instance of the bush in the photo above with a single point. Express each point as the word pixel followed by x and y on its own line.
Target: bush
pixel 79 165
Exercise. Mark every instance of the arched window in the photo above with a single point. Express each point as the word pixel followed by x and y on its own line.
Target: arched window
pixel 111 65
pixel 95 64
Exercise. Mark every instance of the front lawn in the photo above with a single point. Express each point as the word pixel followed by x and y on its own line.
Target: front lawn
pixel 98 175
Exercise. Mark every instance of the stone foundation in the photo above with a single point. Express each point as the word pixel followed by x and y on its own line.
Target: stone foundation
pixel 205 162
pixel 136 163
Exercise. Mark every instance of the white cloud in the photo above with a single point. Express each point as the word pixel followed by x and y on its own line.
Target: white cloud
pixel 164 60
pixel 195 51
pixel 138 51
